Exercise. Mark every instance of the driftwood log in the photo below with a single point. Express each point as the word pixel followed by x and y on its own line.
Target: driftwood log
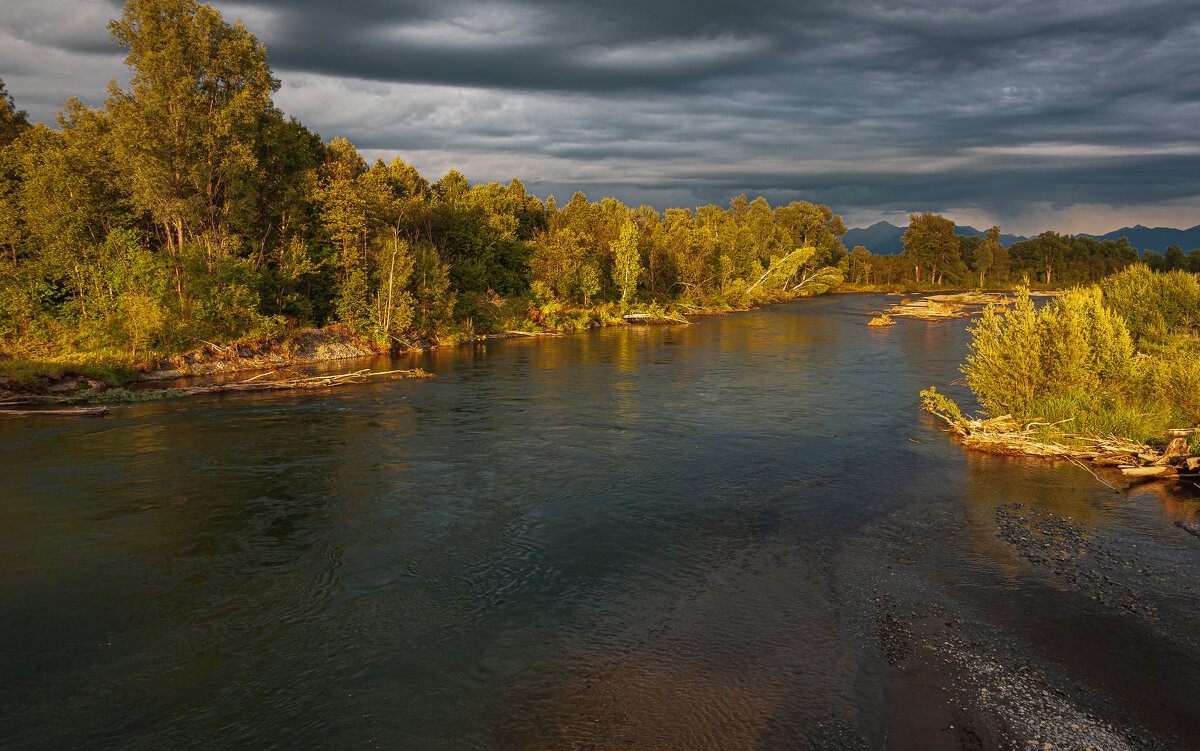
pixel 78 412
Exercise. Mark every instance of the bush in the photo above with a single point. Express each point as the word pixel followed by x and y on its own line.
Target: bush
pixel 1003 367
pixel 1074 345
pixel 1156 306
pixel 1174 379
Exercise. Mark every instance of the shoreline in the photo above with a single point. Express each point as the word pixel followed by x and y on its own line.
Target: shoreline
pixel 281 355
pixel 59 385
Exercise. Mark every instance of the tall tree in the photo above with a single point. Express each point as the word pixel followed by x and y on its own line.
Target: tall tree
pixel 627 264
pixel 985 254
pixel 814 226
pixel 187 126
pixel 929 242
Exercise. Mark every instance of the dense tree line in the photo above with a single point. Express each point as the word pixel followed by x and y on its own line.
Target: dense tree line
pixel 935 256
pixel 189 207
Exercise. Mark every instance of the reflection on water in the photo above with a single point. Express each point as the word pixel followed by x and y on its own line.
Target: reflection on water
pixel 633 537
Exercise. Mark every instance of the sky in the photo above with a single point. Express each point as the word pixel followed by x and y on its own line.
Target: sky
pixel 1072 115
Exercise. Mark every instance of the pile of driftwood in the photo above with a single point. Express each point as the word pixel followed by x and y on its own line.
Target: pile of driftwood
pixel 937 307
pixel 290 381
pixel 928 309
pixel 1004 435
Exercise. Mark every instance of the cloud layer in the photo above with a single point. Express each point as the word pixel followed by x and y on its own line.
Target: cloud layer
pixel 1029 114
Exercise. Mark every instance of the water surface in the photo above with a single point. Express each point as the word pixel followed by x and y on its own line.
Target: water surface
pixel 642 537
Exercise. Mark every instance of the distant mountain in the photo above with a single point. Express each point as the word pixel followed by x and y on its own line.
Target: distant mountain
pixel 881 238
pixel 967 230
pixel 885 238
pixel 1154 238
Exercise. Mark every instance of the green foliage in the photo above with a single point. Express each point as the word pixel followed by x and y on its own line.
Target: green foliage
pixel 354 301
pixel 188 208
pixel 627 264
pixel 1156 306
pixel 434 299
pixel 187 126
pixel 820 281
pixel 1174 378
pixel 1072 362
pixel 1074 344
pixel 940 404
pixel 930 243
pixel 142 318
pixel 1004 364
pixel 1102 414
pixel 12 120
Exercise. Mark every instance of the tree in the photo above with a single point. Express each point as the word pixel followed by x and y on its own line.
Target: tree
pixel 12 120
pixel 627 265
pixel 859 264
pixel 815 226
pixel 1043 253
pixel 1174 259
pixel 186 128
pixel 930 242
pixel 783 269
pixel 984 257
pixel 988 252
pixel 1052 250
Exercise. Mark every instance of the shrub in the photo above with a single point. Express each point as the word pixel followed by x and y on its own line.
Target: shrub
pixel 1174 379
pixel 1156 306
pixel 1003 367
pixel 940 404
pixel 1074 345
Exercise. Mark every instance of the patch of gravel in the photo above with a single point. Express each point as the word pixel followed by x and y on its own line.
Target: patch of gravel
pixel 1114 573
pixel 998 685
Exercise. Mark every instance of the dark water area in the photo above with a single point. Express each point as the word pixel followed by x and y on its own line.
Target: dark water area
pixel 741 534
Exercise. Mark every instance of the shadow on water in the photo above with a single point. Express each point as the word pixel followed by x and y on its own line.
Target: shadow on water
pixel 639 537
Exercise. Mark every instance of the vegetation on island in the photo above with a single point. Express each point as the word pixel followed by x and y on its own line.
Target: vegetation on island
pixel 189 209
pixel 1117 360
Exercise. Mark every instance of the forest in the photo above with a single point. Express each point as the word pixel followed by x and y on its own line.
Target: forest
pixel 189 208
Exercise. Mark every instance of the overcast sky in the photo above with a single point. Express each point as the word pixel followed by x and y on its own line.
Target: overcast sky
pixel 1075 115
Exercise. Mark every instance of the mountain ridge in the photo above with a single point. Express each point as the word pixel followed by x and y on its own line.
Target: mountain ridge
pixel 885 238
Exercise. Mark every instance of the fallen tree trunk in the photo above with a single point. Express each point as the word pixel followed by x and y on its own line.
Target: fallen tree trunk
pixel 80 412
pixel 1162 470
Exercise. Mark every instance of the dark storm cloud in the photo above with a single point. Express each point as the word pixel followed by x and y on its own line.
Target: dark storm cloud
pixel 863 105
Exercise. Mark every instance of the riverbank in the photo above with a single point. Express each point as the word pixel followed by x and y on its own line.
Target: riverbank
pixel 26 376
pixel 30 383
pixel 1107 375
pixel 1134 462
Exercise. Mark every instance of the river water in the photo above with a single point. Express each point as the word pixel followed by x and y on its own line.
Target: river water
pixel 740 534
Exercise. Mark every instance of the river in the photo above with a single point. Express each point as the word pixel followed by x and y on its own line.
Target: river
pixel 740 534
